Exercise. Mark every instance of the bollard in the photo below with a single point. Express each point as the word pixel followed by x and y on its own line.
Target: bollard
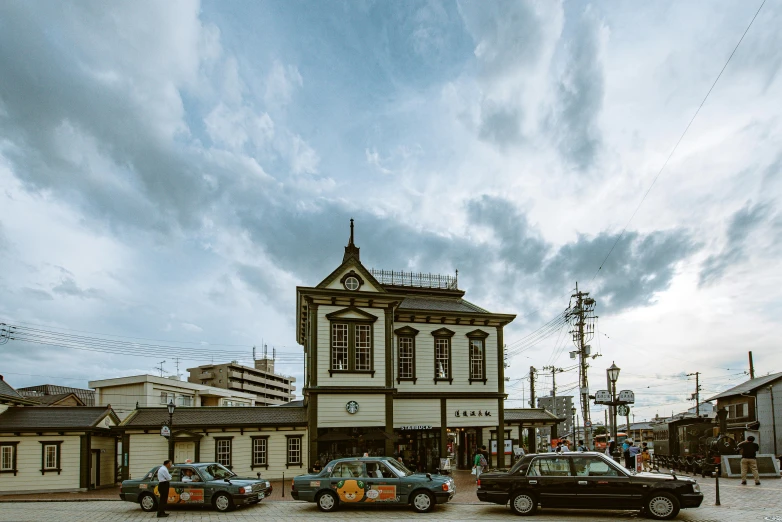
pixel 717 485
pixel 283 484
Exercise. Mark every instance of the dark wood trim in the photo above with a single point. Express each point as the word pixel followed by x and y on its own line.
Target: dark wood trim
pixel 58 454
pixel 125 456
pixel 253 465
pixel 366 317
pixel 443 333
pixel 500 360
pixel 288 463
pixel 482 336
pixel 353 390
pixel 449 395
pixel 443 428
pixel 97 469
pixel 501 429
pixel 313 349
pixel 355 274
pixel 389 443
pixel 388 353
pixel 14 453
pixel 230 451
pixel 312 428
pixel 84 461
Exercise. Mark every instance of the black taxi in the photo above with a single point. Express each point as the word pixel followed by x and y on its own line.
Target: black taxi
pixel 587 480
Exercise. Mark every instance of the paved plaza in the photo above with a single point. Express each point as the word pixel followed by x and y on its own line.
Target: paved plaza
pixel 739 504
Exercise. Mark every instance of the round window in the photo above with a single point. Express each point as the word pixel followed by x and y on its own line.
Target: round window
pixel 351 283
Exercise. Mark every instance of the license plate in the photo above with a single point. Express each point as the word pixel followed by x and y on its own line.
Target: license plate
pixel 261 495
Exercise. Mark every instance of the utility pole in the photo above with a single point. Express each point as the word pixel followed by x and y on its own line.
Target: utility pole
pixel 582 318
pixel 751 367
pixel 554 371
pixel 697 394
pixel 533 446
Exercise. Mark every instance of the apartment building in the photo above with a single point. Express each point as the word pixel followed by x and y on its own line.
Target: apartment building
pixel 269 388
pixel 125 394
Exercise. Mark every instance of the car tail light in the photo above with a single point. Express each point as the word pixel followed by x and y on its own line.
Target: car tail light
pixel 479 482
pixel 293 486
pixel 242 491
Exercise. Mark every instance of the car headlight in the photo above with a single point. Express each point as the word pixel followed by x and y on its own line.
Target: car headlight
pixel 696 488
pixel 242 491
pixel 266 484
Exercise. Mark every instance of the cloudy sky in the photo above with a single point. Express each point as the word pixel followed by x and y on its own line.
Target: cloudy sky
pixel 172 170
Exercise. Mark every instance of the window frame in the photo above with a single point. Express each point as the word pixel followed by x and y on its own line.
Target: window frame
pixel 253 464
pixel 57 456
pixel 288 462
pixel 472 336
pixel 447 335
pixel 365 319
pixel 405 332
pixel 14 456
pixel 230 441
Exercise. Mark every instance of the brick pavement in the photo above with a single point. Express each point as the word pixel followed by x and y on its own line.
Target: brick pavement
pixel 739 504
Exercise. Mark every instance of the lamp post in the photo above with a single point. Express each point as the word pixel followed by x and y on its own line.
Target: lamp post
pixel 613 375
pixel 573 411
pixel 171 408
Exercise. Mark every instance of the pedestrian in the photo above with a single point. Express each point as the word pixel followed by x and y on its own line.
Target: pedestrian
pixel 749 450
pixel 558 449
pixel 486 458
pixel 581 446
pixel 633 450
pixel 646 458
pixel 610 447
pixel 164 483
pixel 565 446
pixel 626 451
pixel 480 462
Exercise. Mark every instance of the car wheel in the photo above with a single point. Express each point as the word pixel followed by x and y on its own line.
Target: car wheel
pixel 148 502
pixel 662 506
pixel 223 502
pixel 523 503
pixel 327 501
pixel 422 501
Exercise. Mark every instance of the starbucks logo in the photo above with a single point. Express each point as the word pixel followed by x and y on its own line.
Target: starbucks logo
pixel 352 407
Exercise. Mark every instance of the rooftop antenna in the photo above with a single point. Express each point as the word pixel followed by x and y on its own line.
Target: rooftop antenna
pixel 160 368
pixel 274 353
pixel 176 361
pixel 253 352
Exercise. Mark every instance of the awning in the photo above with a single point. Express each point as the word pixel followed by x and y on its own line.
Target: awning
pixel 334 436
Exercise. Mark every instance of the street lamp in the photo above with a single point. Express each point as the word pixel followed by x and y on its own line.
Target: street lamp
pixel 573 410
pixel 171 408
pixel 613 375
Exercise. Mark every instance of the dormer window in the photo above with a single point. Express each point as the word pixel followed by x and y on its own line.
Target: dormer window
pixel 351 283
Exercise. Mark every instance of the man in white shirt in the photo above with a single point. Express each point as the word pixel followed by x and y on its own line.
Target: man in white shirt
pixel 164 483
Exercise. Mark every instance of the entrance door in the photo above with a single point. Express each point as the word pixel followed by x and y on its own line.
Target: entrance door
pixel 184 451
pixel 95 469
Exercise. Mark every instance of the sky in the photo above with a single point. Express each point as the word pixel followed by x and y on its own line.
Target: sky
pixel 171 171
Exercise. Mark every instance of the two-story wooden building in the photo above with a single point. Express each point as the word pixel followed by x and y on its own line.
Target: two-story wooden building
pixel 399 363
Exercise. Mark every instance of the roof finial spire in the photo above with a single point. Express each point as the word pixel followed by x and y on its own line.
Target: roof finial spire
pixel 351 231
pixel 351 250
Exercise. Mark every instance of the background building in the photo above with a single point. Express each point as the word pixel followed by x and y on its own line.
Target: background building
pixel 559 406
pixel 125 394
pixel 52 393
pixel 269 388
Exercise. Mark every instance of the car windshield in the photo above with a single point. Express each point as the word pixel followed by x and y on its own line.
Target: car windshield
pixel 215 471
pixel 399 467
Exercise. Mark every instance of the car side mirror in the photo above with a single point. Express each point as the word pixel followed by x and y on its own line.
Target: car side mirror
pixel 429 476
pixel 227 480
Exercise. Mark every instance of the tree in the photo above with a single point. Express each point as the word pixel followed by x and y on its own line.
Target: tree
pixel 600 430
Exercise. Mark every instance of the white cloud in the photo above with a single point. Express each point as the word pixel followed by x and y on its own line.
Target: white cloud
pixel 280 85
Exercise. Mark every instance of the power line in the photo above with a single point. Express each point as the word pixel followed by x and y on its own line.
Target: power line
pixel 678 142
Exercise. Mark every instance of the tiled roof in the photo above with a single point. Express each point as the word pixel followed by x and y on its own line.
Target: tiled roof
pixel 218 416
pixel 530 414
pixel 7 390
pixel 748 386
pixel 293 404
pixel 47 400
pixel 441 304
pixel 23 418
pixel 86 396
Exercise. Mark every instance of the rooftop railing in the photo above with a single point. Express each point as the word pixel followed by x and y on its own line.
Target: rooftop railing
pixel 417 280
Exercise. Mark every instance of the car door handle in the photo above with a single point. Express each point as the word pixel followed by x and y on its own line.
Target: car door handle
pixel 533 481
pixel 582 482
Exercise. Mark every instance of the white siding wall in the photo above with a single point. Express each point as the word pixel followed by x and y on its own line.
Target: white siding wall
pixel 241 459
pixel 460 359
pixel 332 412
pixel 766 430
pixel 147 450
pixel 324 351
pixel 417 412
pixel 28 461
pixel 366 287
pixel 472 405
pixel 108 459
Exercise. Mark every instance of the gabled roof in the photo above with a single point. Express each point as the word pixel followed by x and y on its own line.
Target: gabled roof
pixel 52 400
pixel 537 415
pixel 748 386
pixel 86 396
pixel 65 418
pixel 9 394
pixel 351 262
pixel 440 304
pixel 205 417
